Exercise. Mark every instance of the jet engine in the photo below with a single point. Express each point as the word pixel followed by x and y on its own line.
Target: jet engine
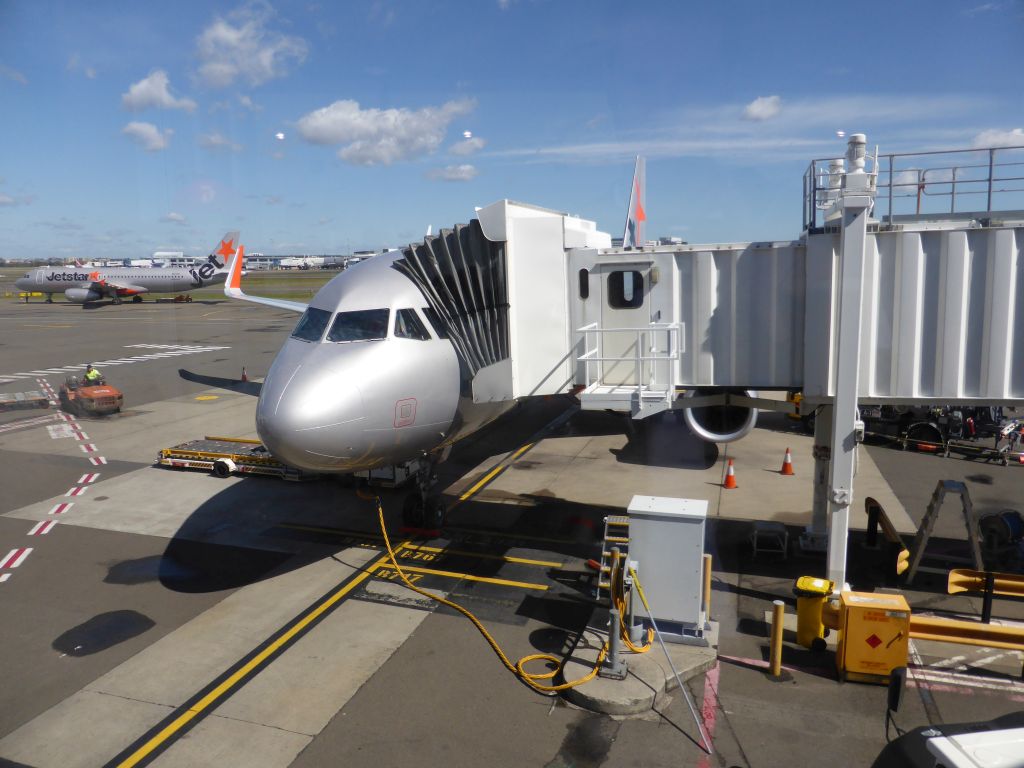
pixel 82 295
pixel 720 423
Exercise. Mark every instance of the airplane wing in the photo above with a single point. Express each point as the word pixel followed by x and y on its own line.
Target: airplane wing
pixel 233 287
pixel 117 288
pixel 232 385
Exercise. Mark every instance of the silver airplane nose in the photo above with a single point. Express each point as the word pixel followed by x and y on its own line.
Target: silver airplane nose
pixel 310 417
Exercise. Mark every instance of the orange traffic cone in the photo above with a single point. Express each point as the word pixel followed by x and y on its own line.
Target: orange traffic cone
pixel 245 377
pixel 787 464
pixel 1020 458
pixel 730 477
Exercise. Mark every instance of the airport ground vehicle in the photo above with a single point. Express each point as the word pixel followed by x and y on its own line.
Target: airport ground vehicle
pixel 224 456
pixel 90 400
pixel 22 401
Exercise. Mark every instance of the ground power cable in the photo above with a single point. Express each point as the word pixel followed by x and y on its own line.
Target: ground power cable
pixel 532 679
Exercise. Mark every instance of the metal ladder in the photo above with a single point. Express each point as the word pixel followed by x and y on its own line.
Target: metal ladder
pixel 924 532
pixel 616 534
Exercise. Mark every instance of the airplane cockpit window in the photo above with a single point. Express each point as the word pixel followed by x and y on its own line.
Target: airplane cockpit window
pixel 409 326
pixel 435 323
pixel 360 325
pixel 312 324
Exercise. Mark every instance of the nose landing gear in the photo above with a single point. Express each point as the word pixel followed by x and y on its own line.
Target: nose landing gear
pixel 421 510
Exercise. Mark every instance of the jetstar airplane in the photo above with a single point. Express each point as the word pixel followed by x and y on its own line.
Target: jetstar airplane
pixel 385 366
pixel 86 284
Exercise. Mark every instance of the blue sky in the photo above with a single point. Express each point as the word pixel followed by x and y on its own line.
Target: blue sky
pixel 132 127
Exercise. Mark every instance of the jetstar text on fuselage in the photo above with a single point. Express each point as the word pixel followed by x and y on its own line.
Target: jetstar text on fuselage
pixel 71 277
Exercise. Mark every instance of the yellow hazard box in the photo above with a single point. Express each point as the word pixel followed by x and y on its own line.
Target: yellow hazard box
pixel 874 633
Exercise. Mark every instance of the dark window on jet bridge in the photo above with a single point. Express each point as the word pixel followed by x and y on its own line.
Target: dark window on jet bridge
pixel 625 289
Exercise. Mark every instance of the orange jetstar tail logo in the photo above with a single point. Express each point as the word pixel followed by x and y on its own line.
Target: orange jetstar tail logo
pixel 227 247
pixel 94 275
pixel 640 215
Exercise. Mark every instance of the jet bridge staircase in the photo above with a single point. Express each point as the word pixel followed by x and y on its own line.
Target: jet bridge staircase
pixel 639 381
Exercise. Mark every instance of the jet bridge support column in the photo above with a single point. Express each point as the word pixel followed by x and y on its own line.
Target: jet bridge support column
pixel 854 202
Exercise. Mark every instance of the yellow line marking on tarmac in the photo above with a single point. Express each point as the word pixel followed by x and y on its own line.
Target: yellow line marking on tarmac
pixel 493 473
pixel 33 325
pixel 207 397
pixel 211 698
pixel 481 555
pixel 471 577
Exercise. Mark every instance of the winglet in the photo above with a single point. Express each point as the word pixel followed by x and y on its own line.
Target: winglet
pixel 233 284
pixel 633 236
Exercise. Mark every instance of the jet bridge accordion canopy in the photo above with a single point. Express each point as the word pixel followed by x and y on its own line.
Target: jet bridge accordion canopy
pixel 464 277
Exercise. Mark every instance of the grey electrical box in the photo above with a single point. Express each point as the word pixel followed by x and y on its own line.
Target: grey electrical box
pixel 666 537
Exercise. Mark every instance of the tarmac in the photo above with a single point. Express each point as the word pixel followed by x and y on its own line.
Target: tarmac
pixel 257 622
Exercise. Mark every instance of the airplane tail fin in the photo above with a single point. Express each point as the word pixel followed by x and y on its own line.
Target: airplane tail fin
pixel 221 254
pixel 633 236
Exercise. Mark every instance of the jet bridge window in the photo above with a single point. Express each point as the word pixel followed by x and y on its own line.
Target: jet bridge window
pixel 625 289
pixel 360 325
pixel 312 324
pixel 409 326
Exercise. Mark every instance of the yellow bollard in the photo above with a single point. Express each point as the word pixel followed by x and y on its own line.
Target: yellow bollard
pixel 707 587
pixel 775 651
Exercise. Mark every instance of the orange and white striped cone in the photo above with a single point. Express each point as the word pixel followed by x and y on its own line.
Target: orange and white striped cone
pixel 730 477
pixel 787 464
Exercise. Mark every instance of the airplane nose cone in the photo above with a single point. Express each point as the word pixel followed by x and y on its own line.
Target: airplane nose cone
pixel 311 418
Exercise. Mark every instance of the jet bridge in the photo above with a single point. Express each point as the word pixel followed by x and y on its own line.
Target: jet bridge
pixel 873 302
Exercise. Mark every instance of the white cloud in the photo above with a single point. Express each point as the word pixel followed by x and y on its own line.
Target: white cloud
pixel 148 136
pixel 453 173
pixel 467 146
pixel 763 108
pixel 13 74
pixel 154 91
pixel 380 136
pixel 241 46
pixel 249 104
pixel 173 218
pixel 218 141
pixel 75 65
pixel 9 201
pixel 997 138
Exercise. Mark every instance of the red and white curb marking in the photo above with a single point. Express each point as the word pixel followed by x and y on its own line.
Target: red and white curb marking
pixel 18 555
pixel 15 557
pixel 42 528
pixel 47 390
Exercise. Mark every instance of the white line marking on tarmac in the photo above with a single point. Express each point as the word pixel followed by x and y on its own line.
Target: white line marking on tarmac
pixel 15 557
pixel 88 447
pixel 42 528
pixel 97 460
pixel 78 490
pixel 88 477
pixel 61 508
pixel 4 577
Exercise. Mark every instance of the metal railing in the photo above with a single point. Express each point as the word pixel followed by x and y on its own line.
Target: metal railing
pixel 922 183
pixel 652 368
